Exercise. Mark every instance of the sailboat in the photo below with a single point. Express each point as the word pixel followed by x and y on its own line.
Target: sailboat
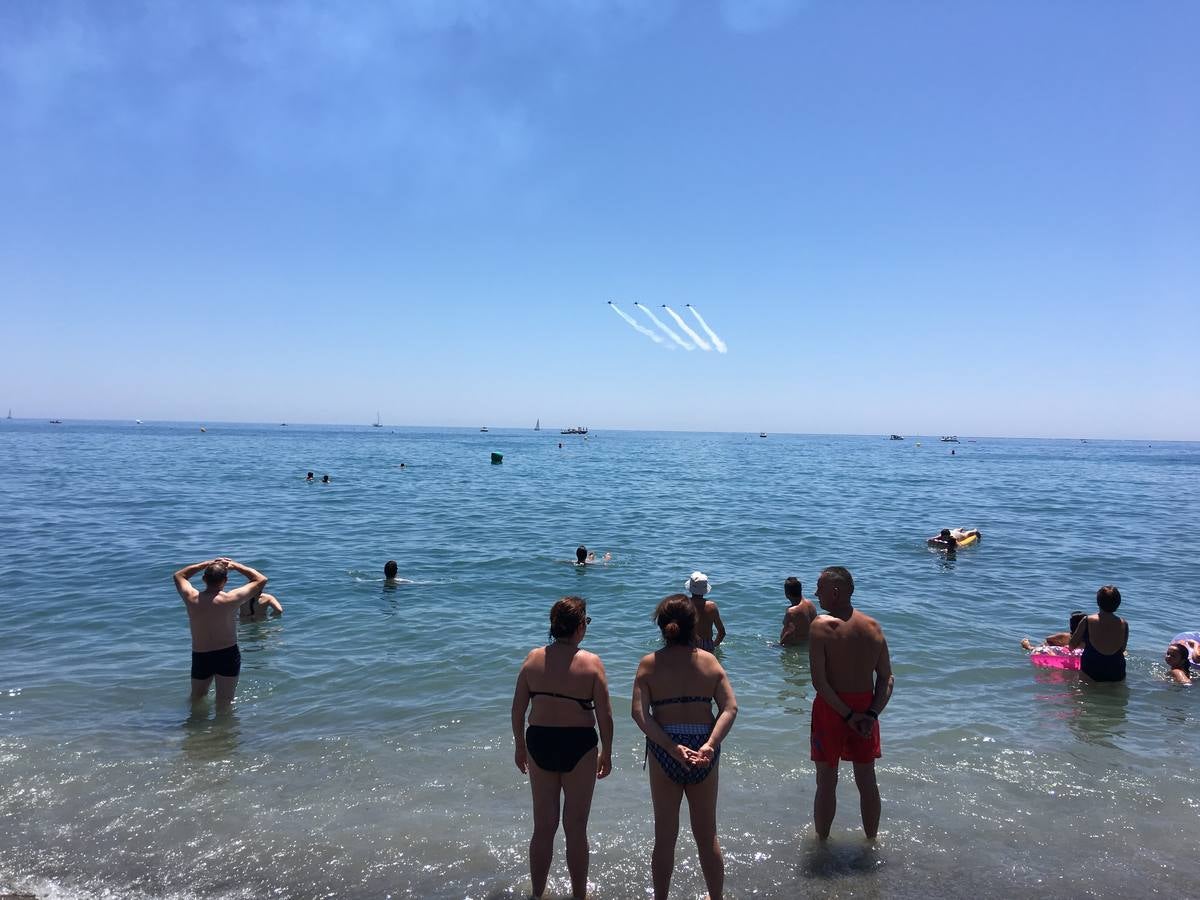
pixel 10 413
pixel 378 424
pixel 537 427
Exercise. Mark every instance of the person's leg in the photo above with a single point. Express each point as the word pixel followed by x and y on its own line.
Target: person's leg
pixel 578 786
pixel 702 809
pixel 825 799
pixel 200 688
pixel 546 787
pixel 666 796
pixel 226 687
pixel 868 796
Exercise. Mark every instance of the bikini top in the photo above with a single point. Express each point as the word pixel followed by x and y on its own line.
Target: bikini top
pixel 589 703
pixel 654 703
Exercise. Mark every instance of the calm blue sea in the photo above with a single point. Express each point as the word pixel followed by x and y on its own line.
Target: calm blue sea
pixel 369 754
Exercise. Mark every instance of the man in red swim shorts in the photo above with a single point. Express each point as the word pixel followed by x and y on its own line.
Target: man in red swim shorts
pixel 852 673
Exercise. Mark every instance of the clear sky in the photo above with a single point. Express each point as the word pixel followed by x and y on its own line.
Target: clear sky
pixel 925 217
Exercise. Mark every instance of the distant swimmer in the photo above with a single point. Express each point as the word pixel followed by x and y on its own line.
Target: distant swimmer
pixel 1059 638
pixel 389 574
pixel 584 557
pixel 258 608
pixel 951 539
pixel 707 614
pixel 799 615
pixel 324 479
pixel 852 673
pixel 212 616
pixel 310 477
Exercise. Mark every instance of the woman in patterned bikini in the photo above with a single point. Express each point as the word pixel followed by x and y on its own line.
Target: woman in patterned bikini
pixel 673 695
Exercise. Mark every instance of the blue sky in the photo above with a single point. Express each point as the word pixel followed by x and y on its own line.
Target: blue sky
pixel 923 217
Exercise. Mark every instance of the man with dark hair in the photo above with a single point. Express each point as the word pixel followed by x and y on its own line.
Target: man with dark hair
pixel 852 674
pixel 389 570
pixel 213 616
pixel 799 615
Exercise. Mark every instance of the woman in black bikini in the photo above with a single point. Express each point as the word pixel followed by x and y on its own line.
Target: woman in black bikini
pixel 569 691
pixel 673 695
pixel 1103 637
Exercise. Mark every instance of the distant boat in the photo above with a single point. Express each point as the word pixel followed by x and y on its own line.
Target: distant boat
pixel 762 434
pixel 537 427
pixel 137 421
pixel 203 429
pixel 56 421
pixel 283 424
pixel 578 429
pixel 484 428
pixel 378 423
pixel 9 414
pixel 896 437
pixel 949 439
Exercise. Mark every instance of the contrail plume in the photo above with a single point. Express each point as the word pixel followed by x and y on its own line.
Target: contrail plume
pixel 700 342
pixel 665 330
pixel 717 342
pixel 637 327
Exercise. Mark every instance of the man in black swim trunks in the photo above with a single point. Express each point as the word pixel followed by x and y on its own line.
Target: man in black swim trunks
pixel 213 616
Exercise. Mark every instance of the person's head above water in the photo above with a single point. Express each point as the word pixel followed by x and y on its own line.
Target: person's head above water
pixel 310 476
pixel 697 584
pixel 676 618
pixel 566 617
pixel 1178 657
pixel 793 589
pixel 389 569
pixel 325 479
pixel 945 533
pixel 1108 598
pixel 216 574
pixel 581 553
pixel 1076 617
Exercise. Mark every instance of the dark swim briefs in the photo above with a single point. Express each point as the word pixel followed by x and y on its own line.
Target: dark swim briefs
pixel 226 662
pixel 559 749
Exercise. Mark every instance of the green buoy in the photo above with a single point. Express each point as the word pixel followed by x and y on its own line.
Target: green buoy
pixel 497 458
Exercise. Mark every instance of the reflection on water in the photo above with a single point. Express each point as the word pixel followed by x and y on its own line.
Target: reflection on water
pixel 1101 713
pixel 210 734
pixel 795 697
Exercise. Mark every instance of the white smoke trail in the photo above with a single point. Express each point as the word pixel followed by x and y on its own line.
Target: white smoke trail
pixel 665 330
pixel 717 342
pixel 700 342
pixel 638 327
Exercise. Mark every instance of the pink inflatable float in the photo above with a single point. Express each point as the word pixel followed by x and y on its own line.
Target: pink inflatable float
pixel 1056 658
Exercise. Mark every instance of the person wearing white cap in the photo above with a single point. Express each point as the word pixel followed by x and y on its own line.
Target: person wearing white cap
pixel 707 614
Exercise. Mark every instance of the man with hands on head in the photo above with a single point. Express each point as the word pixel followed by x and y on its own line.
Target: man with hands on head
pixel 852 674
pixel 213 616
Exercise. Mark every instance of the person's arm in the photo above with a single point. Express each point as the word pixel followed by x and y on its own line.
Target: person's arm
pixel 816 666
pixel 1180 677
pixel 720 625
pixel 1058 639
pixel 726 713
pixel 884 682
pixel 183 579
pixel 646 722
pixel 789 626
pixel 252 588
pixel 1080 633
pixel 604 720
pixel 520 703
pixel 276 606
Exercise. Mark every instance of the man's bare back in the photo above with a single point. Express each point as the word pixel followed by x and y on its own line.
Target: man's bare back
pixel 851 650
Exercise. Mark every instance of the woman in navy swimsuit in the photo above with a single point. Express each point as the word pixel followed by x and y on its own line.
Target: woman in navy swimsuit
pixel 1103 637
pixel 568 692
pixel 673 695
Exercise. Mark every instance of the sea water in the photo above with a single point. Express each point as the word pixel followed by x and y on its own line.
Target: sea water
pixel 369 753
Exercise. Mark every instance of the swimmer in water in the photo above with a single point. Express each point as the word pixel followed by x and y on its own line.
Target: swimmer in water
pixel 949 538
pixel 585 558
pixel 1179 658
pixel 310 477
pixel 324 479
pixel 799 615
pixel 707 614
pixel 389 571
pixel 1059 638
pixel 259 607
